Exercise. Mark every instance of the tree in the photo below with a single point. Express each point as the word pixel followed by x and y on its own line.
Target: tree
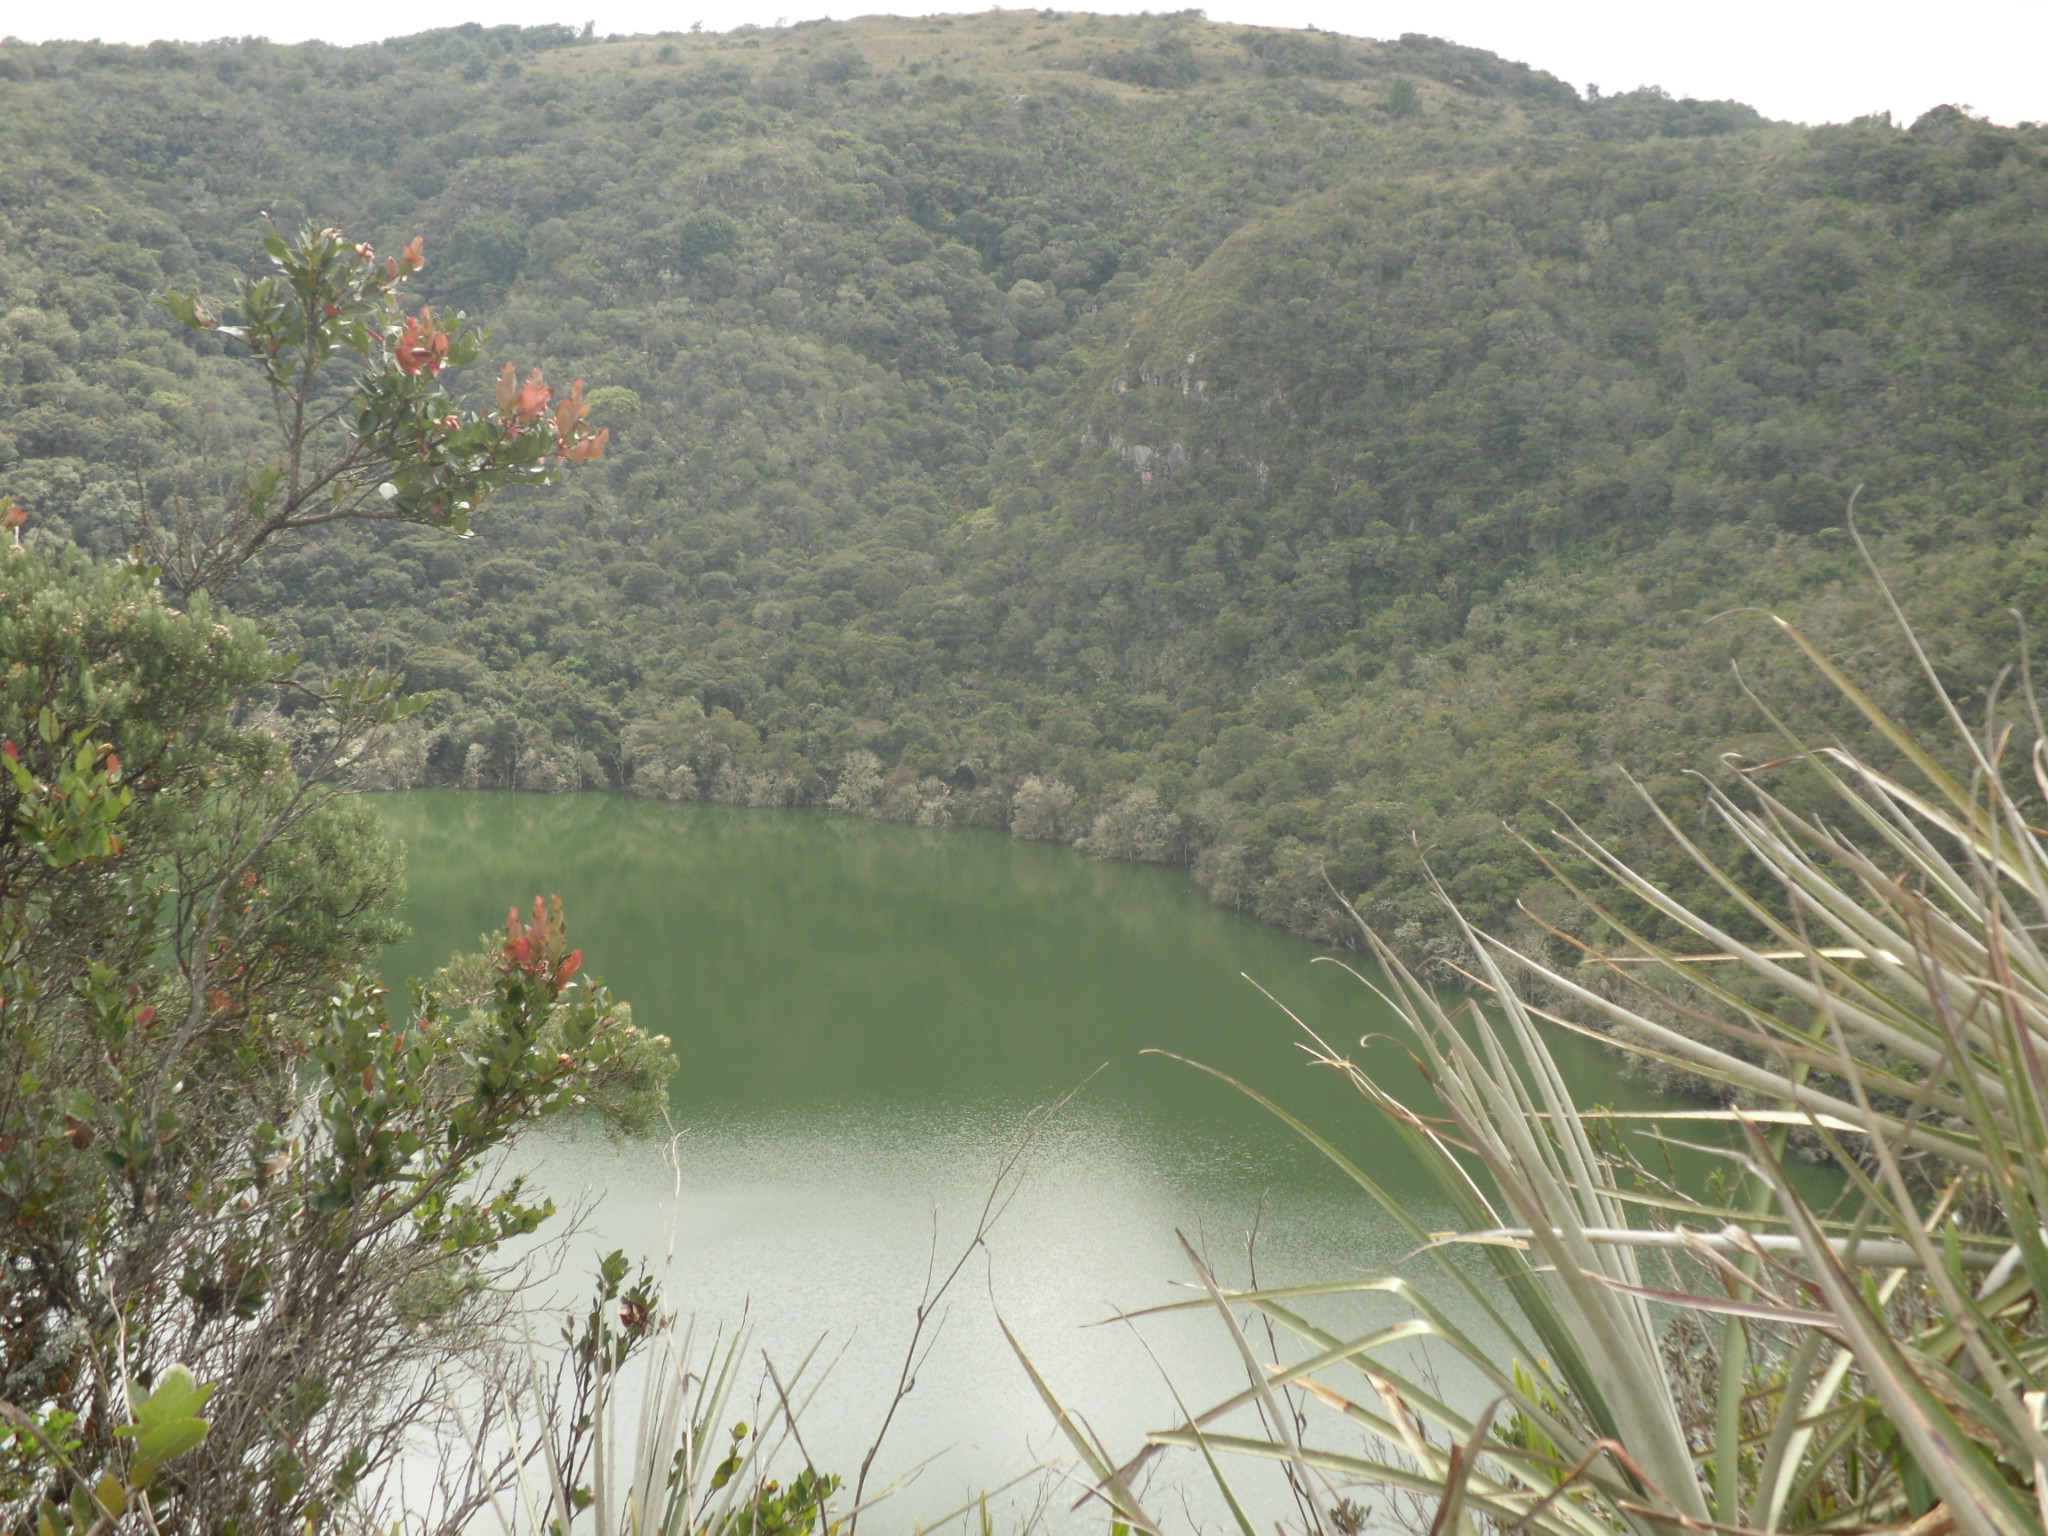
pixel 388 442
pixel 221 1147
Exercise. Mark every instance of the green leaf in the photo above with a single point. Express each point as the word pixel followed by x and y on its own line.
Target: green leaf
pixel 177 1395
pixel 187 308
pixel 111 1496
pixel 167 1442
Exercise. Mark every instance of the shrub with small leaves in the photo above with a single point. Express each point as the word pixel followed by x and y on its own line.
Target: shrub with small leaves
pixel 220 1146
pixel 397 446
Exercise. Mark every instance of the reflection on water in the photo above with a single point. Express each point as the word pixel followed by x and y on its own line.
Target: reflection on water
pixel 864 1016
pixel 824 1226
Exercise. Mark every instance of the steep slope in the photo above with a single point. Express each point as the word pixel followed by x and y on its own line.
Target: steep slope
pixel 1216 443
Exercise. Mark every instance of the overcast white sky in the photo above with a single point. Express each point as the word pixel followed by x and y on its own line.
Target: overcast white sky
pixel 1808 60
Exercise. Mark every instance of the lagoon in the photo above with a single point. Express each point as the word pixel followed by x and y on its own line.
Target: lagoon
pixel 864 1017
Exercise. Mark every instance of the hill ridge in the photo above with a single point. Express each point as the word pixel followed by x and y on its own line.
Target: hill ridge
pixel 917 506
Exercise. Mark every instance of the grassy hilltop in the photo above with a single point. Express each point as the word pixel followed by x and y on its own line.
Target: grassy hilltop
pixel 1212 443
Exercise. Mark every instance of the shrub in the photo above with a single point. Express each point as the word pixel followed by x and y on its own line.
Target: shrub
pixel 1167 64
pixel 1671 1357
pixel 1135 825
pixel 220 1147
pixel 1042 810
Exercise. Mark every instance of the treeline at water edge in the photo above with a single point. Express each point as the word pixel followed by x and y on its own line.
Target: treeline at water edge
pixel 1203 443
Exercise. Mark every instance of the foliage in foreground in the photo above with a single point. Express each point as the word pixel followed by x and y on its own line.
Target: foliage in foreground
pixel 1669 1358
pixel 637 1431
pixel 220 1150
pixel 163 1424
pixel 387 442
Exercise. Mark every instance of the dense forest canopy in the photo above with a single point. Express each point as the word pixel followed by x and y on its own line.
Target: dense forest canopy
pixel 1203 442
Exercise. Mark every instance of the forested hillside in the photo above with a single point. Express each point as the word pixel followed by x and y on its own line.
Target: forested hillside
pixel 1204 442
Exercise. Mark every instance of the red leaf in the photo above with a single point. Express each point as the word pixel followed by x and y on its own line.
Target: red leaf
pixel 423 348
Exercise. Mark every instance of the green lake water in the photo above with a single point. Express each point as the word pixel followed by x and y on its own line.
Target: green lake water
pixel 864 1015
